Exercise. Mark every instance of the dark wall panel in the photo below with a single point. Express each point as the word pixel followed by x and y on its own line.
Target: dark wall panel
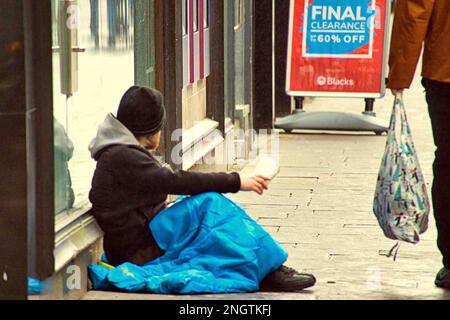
pixel 39 101
pixel 215 100
pixel 282 100
pixel 13 166
pixel 263 116
pixel 169 74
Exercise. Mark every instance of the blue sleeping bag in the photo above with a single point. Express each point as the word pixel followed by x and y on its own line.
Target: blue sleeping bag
pixel 211 246
pixel 34 286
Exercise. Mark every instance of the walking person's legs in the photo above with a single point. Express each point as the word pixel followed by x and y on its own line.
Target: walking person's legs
pixel 438 98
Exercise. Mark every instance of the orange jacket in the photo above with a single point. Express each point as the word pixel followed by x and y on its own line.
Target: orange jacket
pixel 416 22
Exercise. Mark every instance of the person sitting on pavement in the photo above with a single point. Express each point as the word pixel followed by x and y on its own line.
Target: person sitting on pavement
pixel 130 187
pixel 418 24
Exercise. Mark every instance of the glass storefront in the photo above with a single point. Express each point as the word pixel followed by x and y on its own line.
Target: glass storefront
pixel 238 22
pixel 93 65
pixel 239 51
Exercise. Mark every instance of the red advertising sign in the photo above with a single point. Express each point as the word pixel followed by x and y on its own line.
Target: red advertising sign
pixel 337 48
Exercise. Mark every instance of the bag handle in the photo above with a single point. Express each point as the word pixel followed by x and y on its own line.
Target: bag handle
pixel 403 116
pixel 398 115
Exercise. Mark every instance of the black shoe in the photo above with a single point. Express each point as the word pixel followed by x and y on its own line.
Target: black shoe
pixel 443 279
pixel 286 279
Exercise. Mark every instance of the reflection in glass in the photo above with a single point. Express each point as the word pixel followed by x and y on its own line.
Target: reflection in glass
pixel 101 62
pixel 196 15
pixel 64 195
pixel 239 54
pixel 206 15
pixel 229 23
pixel 185 13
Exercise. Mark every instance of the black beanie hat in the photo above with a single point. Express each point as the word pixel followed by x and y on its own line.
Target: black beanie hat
pixel 142 111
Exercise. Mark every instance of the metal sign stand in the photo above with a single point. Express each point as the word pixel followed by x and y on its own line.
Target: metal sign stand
pixel 333 121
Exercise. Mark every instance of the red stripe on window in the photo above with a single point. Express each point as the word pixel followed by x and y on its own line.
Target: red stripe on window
pixel 202 40
pixel 191 42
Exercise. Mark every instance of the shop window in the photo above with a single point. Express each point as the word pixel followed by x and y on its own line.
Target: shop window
pixel 93 64
pixel 196 40
pixel 195 11
pixel 185 13
pixel 206 14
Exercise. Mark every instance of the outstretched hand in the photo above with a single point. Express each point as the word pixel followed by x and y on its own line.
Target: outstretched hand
pixel 255 183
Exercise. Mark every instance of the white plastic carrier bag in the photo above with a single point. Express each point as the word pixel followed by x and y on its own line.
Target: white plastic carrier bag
pixel 401 203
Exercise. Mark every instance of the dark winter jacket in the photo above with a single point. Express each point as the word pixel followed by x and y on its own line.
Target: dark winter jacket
pixel 130 187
